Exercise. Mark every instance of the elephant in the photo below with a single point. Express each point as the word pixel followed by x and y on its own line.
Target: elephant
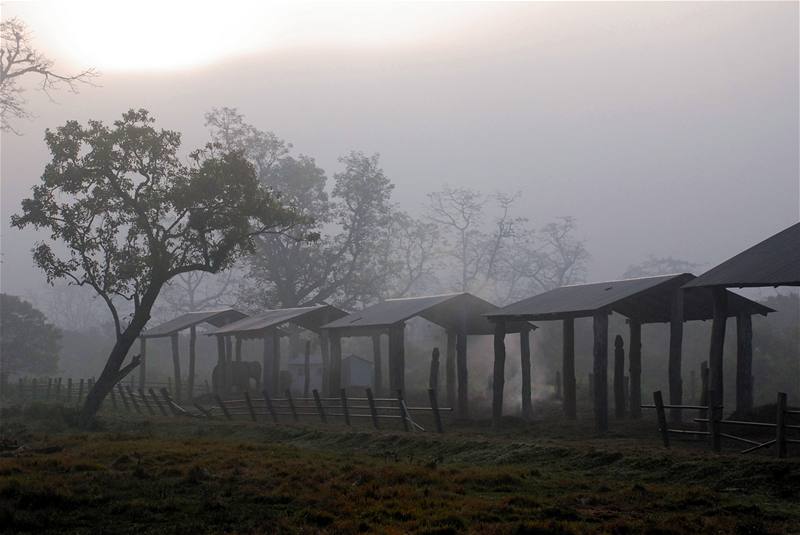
pixel 240 375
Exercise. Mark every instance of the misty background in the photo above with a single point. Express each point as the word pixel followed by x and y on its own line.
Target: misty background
pixel 662 129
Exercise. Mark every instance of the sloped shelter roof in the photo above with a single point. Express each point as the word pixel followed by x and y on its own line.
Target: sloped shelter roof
pixel 460 312
pixel 217 318
pixel 647 299
pixel 311 318
pixel 773 262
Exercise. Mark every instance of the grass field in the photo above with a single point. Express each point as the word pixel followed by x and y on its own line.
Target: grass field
pixel 178 476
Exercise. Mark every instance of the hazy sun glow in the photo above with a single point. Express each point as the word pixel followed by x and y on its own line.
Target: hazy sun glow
pixel 166 35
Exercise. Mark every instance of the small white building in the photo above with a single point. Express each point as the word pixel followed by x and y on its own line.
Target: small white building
pixel 356 372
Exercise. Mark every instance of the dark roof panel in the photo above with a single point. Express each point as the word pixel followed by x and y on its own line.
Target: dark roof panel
pixel 216 318
pixel 773 262
pixel 310 318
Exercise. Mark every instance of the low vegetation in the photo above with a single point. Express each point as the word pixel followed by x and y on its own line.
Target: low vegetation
pixel 168 476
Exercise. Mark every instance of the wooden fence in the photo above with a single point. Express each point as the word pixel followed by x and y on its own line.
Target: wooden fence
pixel 711 425
pixel 68 390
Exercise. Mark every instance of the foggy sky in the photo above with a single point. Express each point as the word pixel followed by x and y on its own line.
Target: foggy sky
pixel 669 129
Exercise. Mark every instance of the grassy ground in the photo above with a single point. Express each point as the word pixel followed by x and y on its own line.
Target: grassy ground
pixel 176 476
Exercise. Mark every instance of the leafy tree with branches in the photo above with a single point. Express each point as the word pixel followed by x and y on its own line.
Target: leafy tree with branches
pixel 28 342
pixel 131 215
pixel 18 59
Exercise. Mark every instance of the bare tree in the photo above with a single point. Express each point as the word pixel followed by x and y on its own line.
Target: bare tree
pixel 18 58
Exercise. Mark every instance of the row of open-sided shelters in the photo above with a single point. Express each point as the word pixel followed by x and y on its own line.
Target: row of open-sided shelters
pixel 773 262
pixel 644 300
pixel 459 314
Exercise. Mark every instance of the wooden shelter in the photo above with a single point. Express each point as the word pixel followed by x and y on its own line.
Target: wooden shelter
pixel 265 326
pixel 171 328
pixel 772 262
pixel 644 300
pixel 459 314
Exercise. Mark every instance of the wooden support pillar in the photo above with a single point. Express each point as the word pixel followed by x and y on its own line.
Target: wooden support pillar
pixel 450 369
pixel 143 362
pixel 266 365
pixel 377 365
pixel 238 349
pixel 307 370
pixel 676 354
pixel 176 364
pixel 717 345
pixel 525 363
pixel 324 348
pixel 619 377
pixel 635 367
pixel 568 368
pixel 227 351
pixel 744 362
pixel 397 358
pixel 335 374
pixel 433 377
pixel 276 362
pixel 499 377
pixel 220 386
pixel 601 371
pixel 463 379
pixel 192 357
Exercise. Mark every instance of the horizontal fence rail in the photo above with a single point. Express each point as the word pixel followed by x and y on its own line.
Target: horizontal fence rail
pixel 712 422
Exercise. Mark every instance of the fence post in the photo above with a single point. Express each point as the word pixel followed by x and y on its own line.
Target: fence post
pixel 715 410
pixel 158 402
pixel 222 406
pixel 402 409
pixel 58 389
pixel 49 387
pixel 291 404
pixel 780 426
pixel 124 399
pixel 343 394
pixel 69 388
pixel 250 405
pixel 144 400
pixel 658 400
pixel 319 406
pixel 435 408
pixel 372 410
pixel 133 400
pixel 21 389
pixel 34 391
pixel 270 408
pixel 202 409
pixel 168 400
pixel 80 392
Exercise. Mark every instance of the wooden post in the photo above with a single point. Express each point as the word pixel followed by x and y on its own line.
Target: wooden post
pixel 202 409
pixel 133 400
pixel 591 386
pixel 324 348
pixel 49 388
pixel 498 381
pixel 717 345
pixel 228 351
pixel 704 392
pixel 270 407
pixel 69 388
pixel 780 426
pixel 557 386
pixel 716 416
pixel 437 418
pixel 335 374
pixel 676 354
pixel 461 372
pixel 401 406
pixel 144 400
pixel 192 358
pixel 525 363
pixel 276 362
pixel 568 368
pixel 372 410
pixel 58 389
pixel 433 376
pixel 343 395
pixel 176 365
pixel 35 389
pixel 238 349
pixel 601 371
pixel 744 362
pixel 635 366
pixel 619 377
pixel 158 402
pixel 291 404
pixel 249 401
pixel 169 402
pixel 658 400
pixel 266 363
pixel 223 407
pixel 307 369
pixel 320 409
pixel 80 390
pixel 397 357
pixel 377 365
pixel 692 386
pixel 450 369
pixel 142 362
pixel 122 397
pixel 21 388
